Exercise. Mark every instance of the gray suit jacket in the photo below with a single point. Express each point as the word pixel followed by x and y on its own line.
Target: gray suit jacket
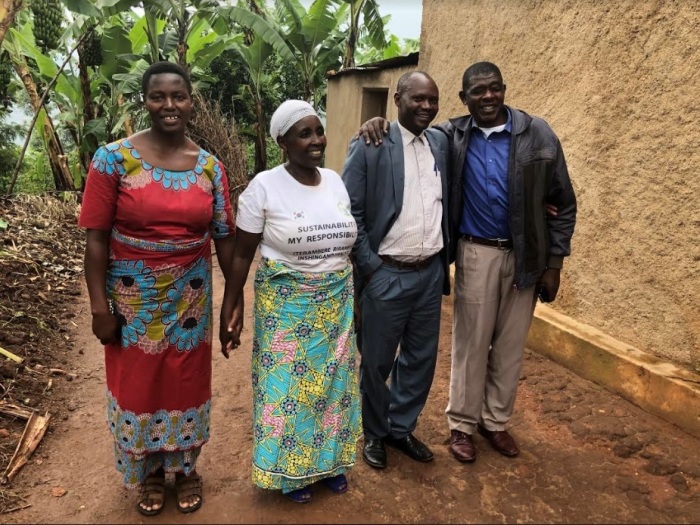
pixel 374 178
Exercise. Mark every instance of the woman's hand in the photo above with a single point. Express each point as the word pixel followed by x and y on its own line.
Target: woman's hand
pixel 105 326
pixel 231 320
pixel 231 326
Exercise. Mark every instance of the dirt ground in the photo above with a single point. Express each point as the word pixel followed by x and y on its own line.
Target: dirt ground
pixel 587 456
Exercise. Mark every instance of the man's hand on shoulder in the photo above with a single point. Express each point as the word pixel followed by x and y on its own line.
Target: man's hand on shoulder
pixel 373 130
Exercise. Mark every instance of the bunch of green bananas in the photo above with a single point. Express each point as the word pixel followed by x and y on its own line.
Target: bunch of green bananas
pixel 92 50
pixel 48 18
pixel 5 77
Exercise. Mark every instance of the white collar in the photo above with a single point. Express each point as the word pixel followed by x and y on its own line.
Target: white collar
pixel 407 136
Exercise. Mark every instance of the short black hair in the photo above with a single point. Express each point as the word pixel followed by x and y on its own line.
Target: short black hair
pixel 480 68
pixel 165 67
pixel 402 84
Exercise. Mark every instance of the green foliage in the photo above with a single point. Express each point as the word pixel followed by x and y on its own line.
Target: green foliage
pixel 249 59
pixel 316 37
pixel 9 150
pixel 35 175
pixel 373 24
pixel 368 53
pixel 280 81
pixel 274 154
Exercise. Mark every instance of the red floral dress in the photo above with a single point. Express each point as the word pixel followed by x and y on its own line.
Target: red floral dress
pixel 159 277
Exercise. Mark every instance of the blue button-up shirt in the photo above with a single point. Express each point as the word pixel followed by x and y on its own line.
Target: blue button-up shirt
pixel 485 184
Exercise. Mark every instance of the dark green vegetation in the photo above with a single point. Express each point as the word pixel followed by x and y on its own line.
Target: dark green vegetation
pixel 244 58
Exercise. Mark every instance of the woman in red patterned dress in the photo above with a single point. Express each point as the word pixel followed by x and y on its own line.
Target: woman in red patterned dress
pixel 152 204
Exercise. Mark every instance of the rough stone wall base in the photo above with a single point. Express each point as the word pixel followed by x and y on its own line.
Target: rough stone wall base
pixel 657 386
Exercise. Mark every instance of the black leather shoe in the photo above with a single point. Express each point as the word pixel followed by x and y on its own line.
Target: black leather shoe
pixel 374 453
pixel 412 447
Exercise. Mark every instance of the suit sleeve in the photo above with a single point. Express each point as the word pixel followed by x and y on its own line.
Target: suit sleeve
pixel 561 227
pixel 355 179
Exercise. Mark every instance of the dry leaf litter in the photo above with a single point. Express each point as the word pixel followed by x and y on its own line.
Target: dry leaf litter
pixel 41 252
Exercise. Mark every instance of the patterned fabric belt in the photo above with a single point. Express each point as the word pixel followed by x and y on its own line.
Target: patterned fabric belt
pixel 159 246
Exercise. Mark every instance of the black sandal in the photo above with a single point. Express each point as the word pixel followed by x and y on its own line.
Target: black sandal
pixel 153 490
pixel 188 486
pixel 338 484
pixel 302 495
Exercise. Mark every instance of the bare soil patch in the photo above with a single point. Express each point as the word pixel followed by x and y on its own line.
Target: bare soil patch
pixel 41 251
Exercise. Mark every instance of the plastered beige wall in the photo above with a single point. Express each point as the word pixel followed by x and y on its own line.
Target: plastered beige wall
pixel 344 107
pixel 618 82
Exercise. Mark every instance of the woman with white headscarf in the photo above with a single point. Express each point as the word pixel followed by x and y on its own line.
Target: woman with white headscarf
pixel 306 410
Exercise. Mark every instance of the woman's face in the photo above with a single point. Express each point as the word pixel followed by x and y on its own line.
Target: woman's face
pixel 305 143
pixel 168 102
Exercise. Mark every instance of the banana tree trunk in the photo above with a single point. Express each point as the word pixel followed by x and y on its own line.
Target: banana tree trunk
pixel 88 113
pixel 350 45
pixel 63 179
pixel 182 54
pixel 182 46
pixel 260 138
pixel 8 12
pixel 128 124
pixel 309 91
pixel 351 41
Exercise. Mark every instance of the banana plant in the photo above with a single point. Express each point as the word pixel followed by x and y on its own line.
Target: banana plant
pixel 368 53
pixel 253 58
pixel 316 38
pixel 373 26
pixel 21 48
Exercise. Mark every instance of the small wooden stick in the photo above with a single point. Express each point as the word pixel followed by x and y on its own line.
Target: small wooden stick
pixel 14 509
pixel 14 410
pixel 31 437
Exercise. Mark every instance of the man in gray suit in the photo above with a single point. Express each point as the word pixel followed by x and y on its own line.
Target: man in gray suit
pixel 397 193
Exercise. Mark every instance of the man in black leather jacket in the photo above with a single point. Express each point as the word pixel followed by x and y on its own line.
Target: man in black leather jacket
pixel 505 165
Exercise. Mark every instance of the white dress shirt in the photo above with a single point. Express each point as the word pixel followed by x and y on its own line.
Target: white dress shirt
pixel 417 232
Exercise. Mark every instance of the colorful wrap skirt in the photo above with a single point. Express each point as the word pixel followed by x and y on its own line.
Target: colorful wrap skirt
pixel 159 373
pixel 306 404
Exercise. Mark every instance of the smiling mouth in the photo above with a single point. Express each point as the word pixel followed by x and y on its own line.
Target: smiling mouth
pixel 315 154
pixel 171 118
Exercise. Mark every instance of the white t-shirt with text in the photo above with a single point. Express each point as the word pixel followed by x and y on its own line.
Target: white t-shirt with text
pixel 308 228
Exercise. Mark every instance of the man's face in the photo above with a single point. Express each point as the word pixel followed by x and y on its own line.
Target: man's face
pixel 484 97
pixel 418 104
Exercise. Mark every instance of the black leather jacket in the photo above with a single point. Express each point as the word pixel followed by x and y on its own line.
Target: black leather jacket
pixel 537 174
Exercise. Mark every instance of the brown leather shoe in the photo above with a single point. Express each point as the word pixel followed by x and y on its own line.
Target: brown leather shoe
pixel 500 440
pixel 462 446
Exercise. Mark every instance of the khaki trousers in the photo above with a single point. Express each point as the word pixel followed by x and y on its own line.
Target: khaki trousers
pixel 490 326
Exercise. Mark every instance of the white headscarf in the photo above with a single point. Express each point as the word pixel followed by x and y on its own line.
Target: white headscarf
pixel 289 113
